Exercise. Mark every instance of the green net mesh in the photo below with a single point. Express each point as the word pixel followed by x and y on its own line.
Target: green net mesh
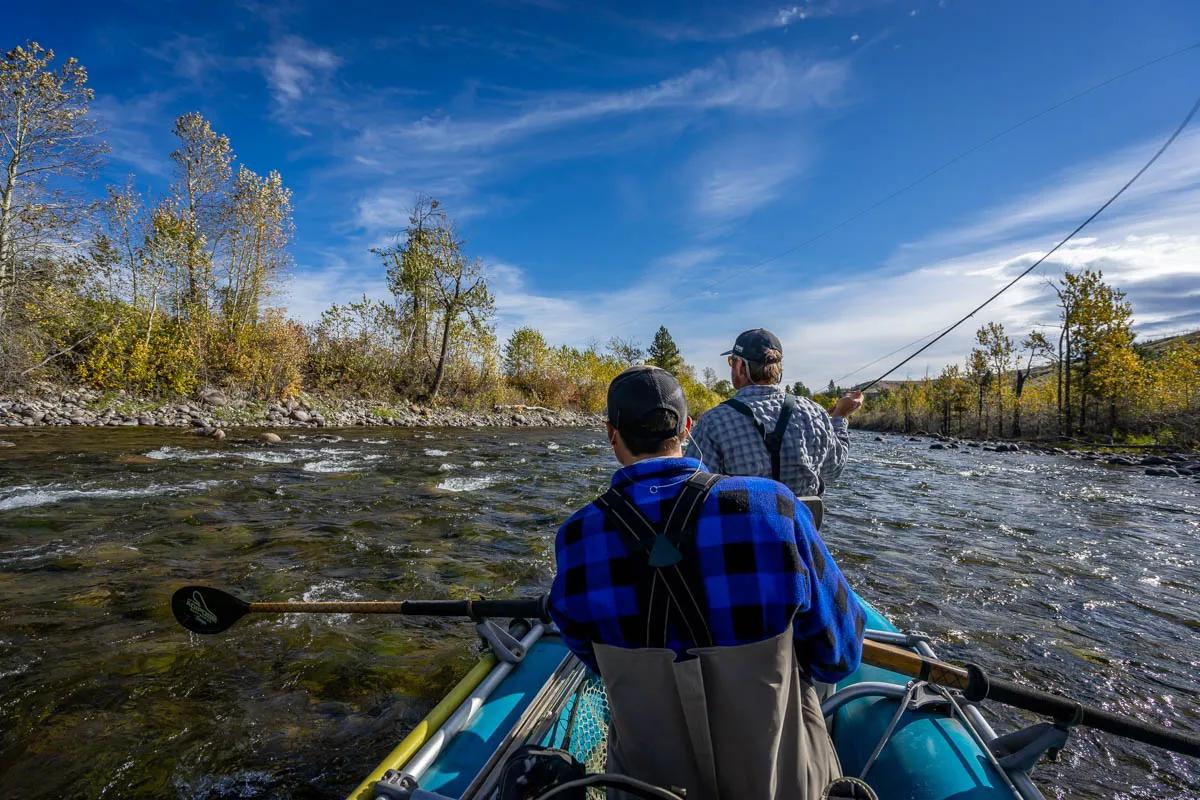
pixel 587 736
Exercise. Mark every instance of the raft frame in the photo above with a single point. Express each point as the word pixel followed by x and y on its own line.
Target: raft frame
pixel 536 715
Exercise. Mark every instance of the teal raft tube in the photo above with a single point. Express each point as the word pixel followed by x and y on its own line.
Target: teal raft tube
pixel 913 742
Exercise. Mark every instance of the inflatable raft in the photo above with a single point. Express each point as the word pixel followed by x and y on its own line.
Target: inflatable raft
pixel 910 740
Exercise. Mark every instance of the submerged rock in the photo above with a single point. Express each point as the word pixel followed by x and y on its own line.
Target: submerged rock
pixel 270 438
pixel 1162 472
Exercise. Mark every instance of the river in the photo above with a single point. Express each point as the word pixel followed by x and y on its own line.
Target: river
pixel 1074 577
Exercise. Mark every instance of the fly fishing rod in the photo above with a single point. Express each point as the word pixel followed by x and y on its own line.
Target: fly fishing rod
pixel 202 609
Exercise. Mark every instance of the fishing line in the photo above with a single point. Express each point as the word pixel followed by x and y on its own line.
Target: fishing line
pixel 1170 140
pixel 888 198
pixel 837 381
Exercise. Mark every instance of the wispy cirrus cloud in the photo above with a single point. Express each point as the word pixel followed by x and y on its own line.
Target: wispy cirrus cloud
pixel 736 22
pixel 133 142
pixel 730 191
pixel 1076 192
pixel 757 81
pixel 296 67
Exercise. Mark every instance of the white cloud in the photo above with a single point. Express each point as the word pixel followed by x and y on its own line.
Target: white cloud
pixel 739 175
pixel 743 21
pixel 689 257
pixel 758 81
pixel 733 191
pixel 312 289
pixel 128 126
pixel 1074 193
pixel 295 67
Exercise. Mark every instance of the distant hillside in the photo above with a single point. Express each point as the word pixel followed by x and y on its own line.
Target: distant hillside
pixel 1153 347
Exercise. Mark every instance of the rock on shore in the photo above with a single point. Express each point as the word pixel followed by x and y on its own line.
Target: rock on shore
pixel 213 410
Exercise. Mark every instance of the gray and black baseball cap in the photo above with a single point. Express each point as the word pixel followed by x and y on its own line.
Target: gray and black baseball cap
pixel 639 391
pixel 753 345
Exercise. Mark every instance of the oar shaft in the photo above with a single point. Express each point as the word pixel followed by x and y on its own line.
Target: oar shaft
pixel 534 607
pixel 976 686
pixel 906 662
pixel 1069 711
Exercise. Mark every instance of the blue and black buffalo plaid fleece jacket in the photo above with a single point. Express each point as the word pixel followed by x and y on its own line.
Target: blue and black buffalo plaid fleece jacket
pixel 756 556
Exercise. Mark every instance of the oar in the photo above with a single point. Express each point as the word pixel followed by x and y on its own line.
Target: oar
pixel 203 609
pixel 206 610
pixel 977 685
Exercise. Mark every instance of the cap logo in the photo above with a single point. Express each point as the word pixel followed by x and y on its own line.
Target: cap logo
pixel 737 348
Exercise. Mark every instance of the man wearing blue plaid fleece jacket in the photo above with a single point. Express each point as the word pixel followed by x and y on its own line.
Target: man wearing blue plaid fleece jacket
pixel 707 604
pixel 751 561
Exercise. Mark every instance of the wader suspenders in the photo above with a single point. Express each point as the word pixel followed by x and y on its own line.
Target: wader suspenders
pixel 671 597
pixel 774 439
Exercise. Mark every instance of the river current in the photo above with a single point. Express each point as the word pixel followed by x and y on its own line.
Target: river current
pixel 1074 577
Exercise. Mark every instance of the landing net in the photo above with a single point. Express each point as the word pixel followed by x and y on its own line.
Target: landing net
pixel 587 728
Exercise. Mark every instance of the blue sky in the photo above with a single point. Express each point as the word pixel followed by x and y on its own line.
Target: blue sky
pixel 626 166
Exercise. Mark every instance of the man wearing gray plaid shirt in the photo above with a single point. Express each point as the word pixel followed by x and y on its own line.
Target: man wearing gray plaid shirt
pixel 764 431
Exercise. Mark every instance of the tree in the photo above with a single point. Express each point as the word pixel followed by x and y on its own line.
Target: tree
pixel 46 136
pixel 710 377
pixel 724 389
pixel 204 162
pixel 997 349
pixel 981 377
pixel 410 275
pixel 800 390
pixel 259 230
pixel 166 247
pixel 1101 331
pixel 627 351
pixel 123 224
pixel 459 290
pixel 664 353
pixel 526 357
pixel 1037 346
pixel 949 392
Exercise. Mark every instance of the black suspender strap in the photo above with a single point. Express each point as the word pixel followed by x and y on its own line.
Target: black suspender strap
pixel 670 594
pixel 774 439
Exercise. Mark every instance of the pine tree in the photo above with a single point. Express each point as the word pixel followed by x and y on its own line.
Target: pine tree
pixel 664 353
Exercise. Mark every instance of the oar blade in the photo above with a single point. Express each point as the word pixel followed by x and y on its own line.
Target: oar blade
pixel 203 609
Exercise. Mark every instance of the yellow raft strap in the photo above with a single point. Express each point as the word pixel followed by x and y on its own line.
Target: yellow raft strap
pixel 419 735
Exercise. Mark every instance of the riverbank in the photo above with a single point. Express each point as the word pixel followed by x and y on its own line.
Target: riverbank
pixel 1163 464
pixel 213 410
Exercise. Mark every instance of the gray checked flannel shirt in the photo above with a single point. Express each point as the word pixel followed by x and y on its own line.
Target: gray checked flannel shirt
pixel 814 445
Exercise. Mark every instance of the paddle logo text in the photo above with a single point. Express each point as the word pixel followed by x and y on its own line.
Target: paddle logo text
pixel 200 610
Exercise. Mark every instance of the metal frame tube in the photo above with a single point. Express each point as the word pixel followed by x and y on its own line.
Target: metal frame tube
pixel 463 715
pixel 857 690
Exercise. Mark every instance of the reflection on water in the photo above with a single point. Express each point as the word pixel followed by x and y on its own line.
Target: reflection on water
pixel 1069 576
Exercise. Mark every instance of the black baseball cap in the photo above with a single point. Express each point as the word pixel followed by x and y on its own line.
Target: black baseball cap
pixel 753 345
pixel 639 391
